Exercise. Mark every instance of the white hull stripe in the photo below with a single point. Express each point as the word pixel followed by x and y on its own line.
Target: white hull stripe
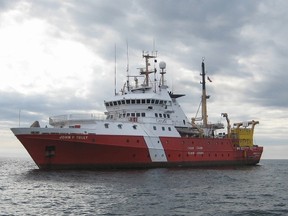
pixel 156 150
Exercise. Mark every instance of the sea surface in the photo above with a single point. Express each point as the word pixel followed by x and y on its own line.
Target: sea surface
pixel 256 190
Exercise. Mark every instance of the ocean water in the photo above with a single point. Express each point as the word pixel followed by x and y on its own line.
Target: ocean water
pixel 256 190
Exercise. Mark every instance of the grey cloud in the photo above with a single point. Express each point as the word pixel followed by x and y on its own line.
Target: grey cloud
pixel 221 31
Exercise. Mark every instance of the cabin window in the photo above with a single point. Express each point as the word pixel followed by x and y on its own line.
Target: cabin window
pixel 148 101
pixel 154 127
pixel 120 126
pixel 157 102
pixel 133 101
pixel 142 114
pixel 168 115
pixel 128 114
pixel 156 115
pixel 124 115
pixel 134 127
pixel 133 114
pixel 163 128
pixel 106 125
pixel 123 101
pixel 161 102
pixel 169 128
pixel 184 122
pixel 164 115
pixel 160 115
pixel 119 102
pixel 138 114
pixel 152 101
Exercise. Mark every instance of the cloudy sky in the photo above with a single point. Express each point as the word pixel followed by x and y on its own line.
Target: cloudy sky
pixel 57 57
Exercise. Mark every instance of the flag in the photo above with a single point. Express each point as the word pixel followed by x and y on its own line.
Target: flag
pixel 209 79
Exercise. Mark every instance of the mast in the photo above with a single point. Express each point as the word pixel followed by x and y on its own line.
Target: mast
pixel 127 70
pixel 204 97
pixel 115 71
pixel 147 56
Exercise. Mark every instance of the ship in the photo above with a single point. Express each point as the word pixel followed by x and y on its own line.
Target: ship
pixel 144 126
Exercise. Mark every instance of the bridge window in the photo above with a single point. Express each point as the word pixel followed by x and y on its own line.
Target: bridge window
pixel 107 104
pixel 127 101
pixel 123 101
pixel 133 101
pixel 138 101
pixel 148 101
pixel 119 102
pixel 157 102
pixel 110 103
pixel 114 103
pixel 143 101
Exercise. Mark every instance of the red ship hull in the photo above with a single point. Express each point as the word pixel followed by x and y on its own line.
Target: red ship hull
pixel 78 151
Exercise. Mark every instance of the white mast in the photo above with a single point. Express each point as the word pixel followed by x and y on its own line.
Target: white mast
pixel 127 69
pixel 115 70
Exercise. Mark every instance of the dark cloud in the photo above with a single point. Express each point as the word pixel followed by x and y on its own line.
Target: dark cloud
pixel 7 4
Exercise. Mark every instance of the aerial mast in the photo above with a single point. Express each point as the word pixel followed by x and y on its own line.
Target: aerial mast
pixel 115 71
pixel 204 96
pixel 127 70
pixel 147 56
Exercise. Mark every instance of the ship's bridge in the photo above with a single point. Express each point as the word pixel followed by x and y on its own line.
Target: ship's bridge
pixel 140 105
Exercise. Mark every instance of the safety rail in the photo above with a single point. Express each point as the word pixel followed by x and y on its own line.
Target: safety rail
pixel 62 119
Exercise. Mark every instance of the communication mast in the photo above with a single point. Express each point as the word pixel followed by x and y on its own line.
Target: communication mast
pixel 147 56
pixel 204 97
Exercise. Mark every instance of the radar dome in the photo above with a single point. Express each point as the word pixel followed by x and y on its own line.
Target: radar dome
pixel 162 65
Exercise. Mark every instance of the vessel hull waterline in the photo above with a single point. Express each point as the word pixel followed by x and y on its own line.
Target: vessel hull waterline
pixel 91 151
